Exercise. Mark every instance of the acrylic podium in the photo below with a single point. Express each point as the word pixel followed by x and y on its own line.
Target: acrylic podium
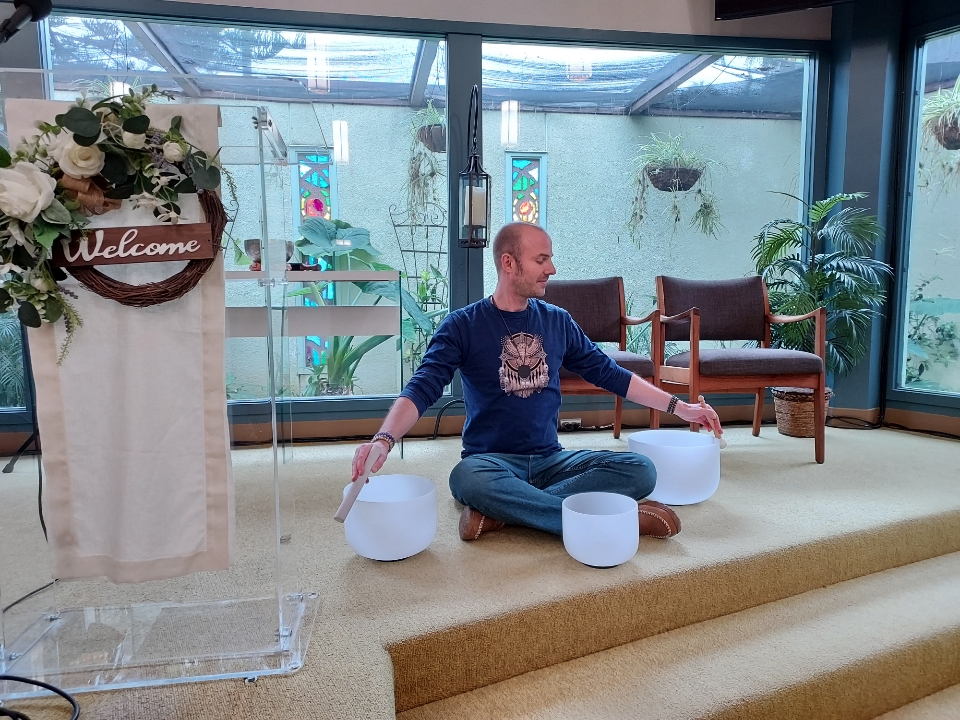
pixel 254 618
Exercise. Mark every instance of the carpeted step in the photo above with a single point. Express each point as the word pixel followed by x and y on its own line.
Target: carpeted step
pixel 851 651
pixel 944 705
pixel 779 525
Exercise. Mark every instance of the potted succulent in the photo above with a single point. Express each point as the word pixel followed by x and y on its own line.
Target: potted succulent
pixel 666 165
pixel 828 262
pixel 941 117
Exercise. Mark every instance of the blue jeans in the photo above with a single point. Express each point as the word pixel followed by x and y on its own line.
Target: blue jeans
pixel 529 489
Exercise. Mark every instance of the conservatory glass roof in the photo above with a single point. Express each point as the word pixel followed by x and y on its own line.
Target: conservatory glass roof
pixel 207 61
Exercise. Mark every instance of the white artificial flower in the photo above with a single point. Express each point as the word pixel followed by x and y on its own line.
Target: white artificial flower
pixel 171 216
pixel 25 191
pixel 40 284
pixel 173 152
pixel 9 268
pixel 134 141
pixel 78 161
pixel 145 200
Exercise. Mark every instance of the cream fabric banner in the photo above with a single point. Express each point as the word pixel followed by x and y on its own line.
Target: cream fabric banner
pixel 134 422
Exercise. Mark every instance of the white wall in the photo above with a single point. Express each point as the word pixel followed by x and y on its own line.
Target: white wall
pixel 684 17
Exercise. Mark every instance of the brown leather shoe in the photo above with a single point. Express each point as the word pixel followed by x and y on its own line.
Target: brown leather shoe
pixel 656 519
pixel 474 523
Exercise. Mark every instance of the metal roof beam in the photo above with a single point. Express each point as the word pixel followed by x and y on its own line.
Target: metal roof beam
pixel 672 76
pixel 161 53
pixel 426 54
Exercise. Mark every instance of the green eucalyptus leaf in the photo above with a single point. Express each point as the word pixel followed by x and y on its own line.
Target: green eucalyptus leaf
pixel 21 258
pixel 60 119
pixel 120 192
pixel 114 169
pixel 175 123
pixel 29 315
pixel 4 158
pixel 84 140
pixel 80 121
pixel 206 178
pixel 55 213
pixel 137 125
pixel 186 185
pixel 52 309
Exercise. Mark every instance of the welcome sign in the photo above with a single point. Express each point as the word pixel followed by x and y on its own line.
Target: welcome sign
pixel 147 243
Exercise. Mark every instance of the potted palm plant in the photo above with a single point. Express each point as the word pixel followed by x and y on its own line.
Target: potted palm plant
pixel 828 262
pixel 665 164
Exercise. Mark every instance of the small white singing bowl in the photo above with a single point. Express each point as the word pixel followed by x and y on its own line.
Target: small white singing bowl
pixel 601 529
pixel 394 517
pixel 688 464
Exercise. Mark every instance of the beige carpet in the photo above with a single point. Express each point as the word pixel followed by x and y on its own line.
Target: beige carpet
pixel 944 705
pixel 461 616
pixel 841 653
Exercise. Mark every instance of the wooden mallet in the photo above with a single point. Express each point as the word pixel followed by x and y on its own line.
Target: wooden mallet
pixel 723 443
pixel 357 485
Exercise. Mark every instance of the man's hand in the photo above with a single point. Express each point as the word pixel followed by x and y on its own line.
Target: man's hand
pixel 702 413
pixel 360 458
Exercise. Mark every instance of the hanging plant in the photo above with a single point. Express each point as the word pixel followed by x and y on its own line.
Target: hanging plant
pixel 92 157
pixel 425 171
pixel 666 165
pixel 941 117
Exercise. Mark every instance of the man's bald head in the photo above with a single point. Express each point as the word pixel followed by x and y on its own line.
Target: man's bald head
pixel 510 240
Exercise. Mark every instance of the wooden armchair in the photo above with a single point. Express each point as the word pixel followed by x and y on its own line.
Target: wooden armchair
pixel 738 309
pixel 600 309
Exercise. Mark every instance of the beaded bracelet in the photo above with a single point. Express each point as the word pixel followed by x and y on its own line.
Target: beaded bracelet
pixel 673 404
pixel 382 435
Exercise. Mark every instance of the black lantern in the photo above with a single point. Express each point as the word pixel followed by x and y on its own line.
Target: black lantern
pixel 474 187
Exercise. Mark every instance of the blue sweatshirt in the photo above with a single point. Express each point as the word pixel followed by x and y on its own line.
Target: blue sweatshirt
pixel 510 363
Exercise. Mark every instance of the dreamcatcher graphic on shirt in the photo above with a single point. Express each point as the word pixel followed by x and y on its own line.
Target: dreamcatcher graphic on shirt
pixel 523 365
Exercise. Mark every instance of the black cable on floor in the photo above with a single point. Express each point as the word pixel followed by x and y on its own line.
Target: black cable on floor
pixel 46 686
pixel 28 596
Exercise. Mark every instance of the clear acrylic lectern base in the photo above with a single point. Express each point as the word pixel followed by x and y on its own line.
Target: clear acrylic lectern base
pixel 105 648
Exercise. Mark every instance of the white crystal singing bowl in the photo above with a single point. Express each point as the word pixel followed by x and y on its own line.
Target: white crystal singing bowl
pixel 688 464
pixel 394 517
pixel 601 529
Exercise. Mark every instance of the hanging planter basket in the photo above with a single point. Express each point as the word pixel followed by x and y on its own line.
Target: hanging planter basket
pixel 434 137
pixel 795 412
pixel 672 179
pixel 948 135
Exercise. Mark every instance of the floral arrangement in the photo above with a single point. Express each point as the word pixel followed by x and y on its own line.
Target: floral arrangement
pixel 94 156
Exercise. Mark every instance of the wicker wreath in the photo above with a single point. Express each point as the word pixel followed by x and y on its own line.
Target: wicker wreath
pixel 171 288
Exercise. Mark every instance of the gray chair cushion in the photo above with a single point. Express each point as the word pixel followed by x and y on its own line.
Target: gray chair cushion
pixel 751 361
pixel 729 309
pixel 637 364
pixel 593 304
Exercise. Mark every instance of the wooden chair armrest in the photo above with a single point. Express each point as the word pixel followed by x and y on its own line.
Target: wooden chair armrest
pixel 682 316
pixel 628 320
pixel 782 319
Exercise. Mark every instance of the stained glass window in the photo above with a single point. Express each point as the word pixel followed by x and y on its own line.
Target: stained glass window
pixel 316 187
pixel 316 184
pixel 527 186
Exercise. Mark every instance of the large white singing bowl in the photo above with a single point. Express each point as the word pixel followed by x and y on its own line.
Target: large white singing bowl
pixel 688 464
pixel 394 517
pixel 601 529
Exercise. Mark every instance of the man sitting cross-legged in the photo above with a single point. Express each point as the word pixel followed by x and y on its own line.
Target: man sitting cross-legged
pixel 509 348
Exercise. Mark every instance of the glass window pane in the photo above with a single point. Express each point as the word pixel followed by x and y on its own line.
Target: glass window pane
pixel 931 339
pixel 609 125
pixel 362 124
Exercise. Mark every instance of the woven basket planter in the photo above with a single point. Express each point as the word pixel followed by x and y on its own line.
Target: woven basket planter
pixel 672 179
pixel 434 137
pixel 795 412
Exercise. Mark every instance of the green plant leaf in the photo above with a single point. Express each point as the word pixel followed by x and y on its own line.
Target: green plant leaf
pixel 85 140
pixel 386 290
pixel 206 178
pixel 114 169
pixel 80 121
pixel 414 311
pixel 6 300
pixel 175 124
pixel 52 309
pixel 138 125
pixel 4 158
pixel 22 258
pixel 821 208
pixel 29 315
pixel 121 192
pixel 55 213
pixel 185 186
